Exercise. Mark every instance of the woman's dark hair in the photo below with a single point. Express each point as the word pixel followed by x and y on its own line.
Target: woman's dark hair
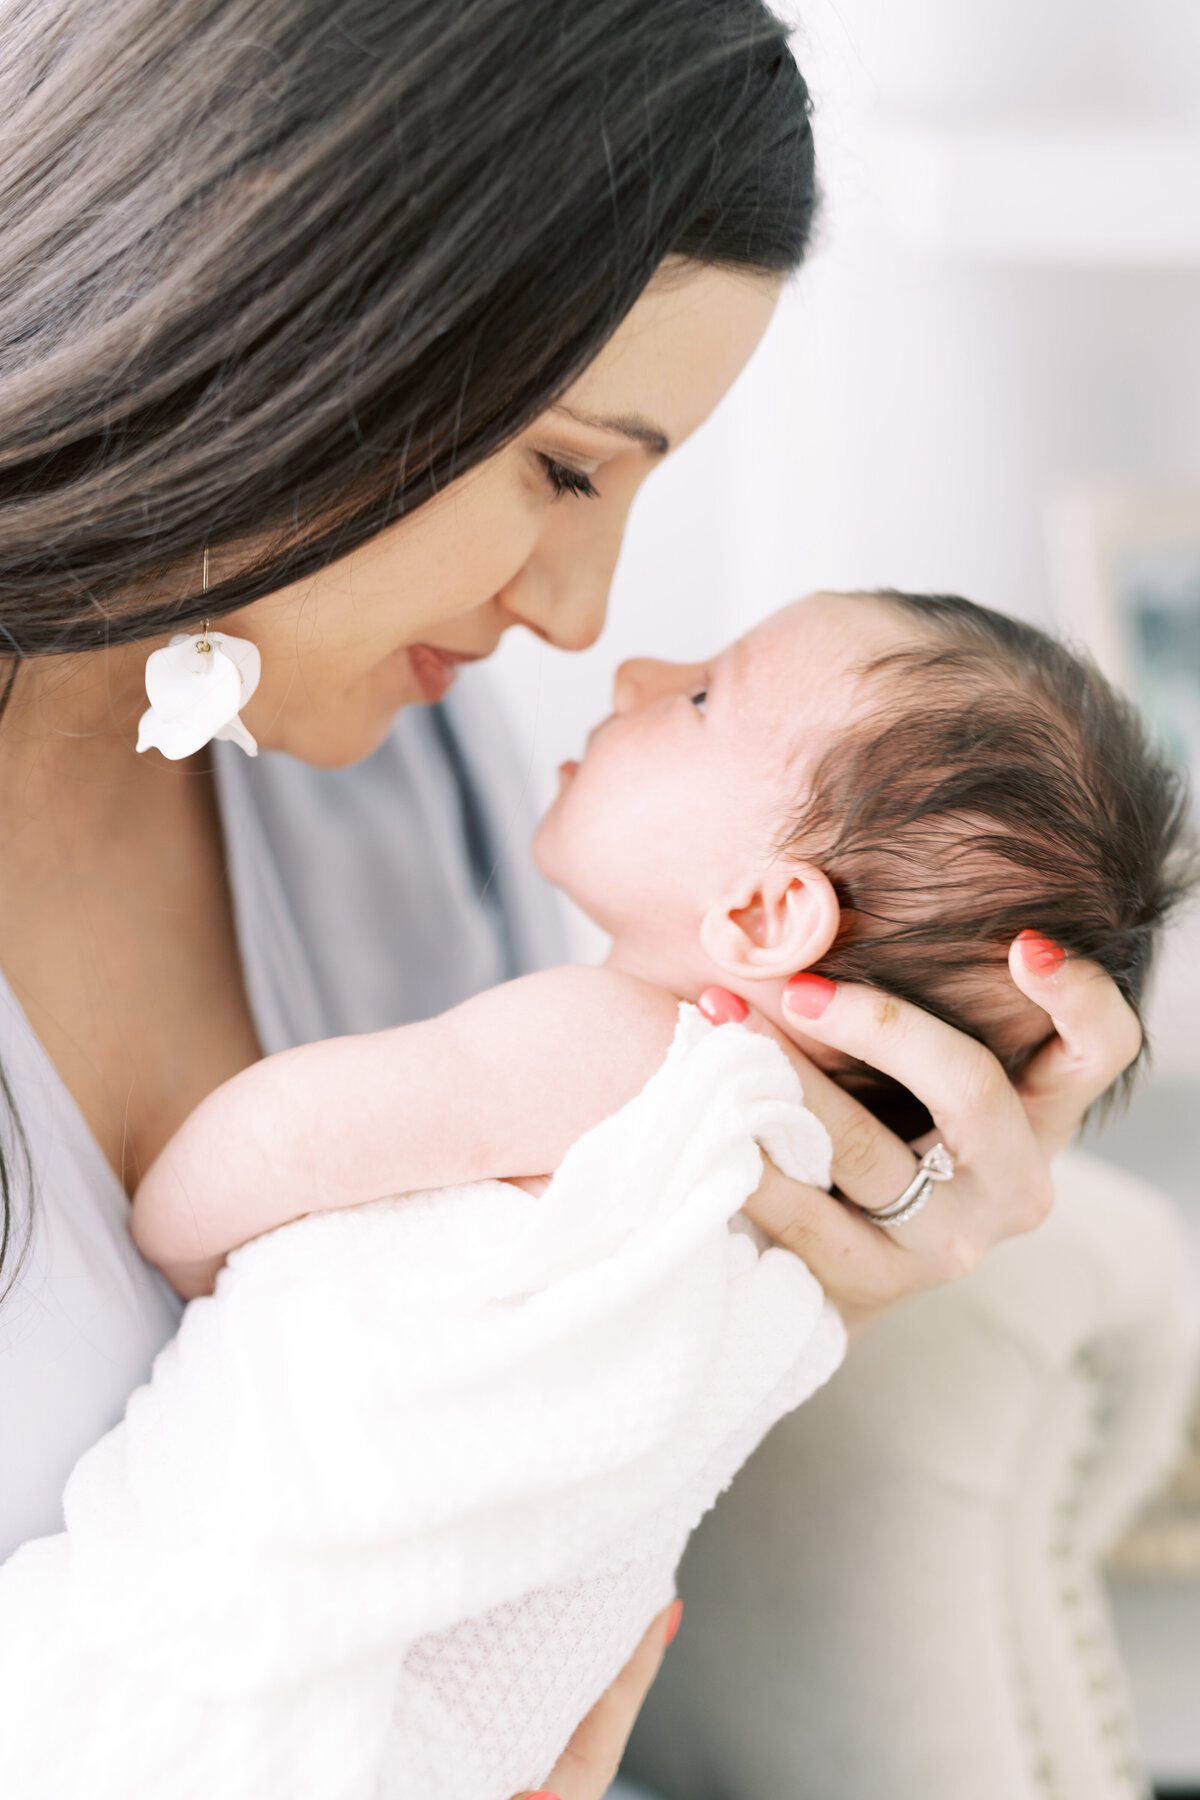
pixel 273 272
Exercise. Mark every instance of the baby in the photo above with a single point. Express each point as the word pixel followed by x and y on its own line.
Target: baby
pixel 404 1493
pixel 884 788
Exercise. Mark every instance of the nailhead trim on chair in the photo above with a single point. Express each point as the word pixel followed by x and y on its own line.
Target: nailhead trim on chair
pixel 1100 1367
pixel 1165 1540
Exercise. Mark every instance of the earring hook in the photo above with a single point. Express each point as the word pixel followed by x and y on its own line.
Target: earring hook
pixel 204 647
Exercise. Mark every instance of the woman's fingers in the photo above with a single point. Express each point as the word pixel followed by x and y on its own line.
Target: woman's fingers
pixel 588 1766
pixel 864 1268
pixel 854 1261
pixel 976 1108
pixel 952 1074
pixel 961 1083
pixel 870 1164
pixel 1001 1139
pixel 1097 1037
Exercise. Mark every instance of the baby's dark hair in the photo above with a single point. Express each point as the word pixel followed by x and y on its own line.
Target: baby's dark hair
pixel 998 784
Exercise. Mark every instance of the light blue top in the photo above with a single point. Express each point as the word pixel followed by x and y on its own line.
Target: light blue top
pixel 364 897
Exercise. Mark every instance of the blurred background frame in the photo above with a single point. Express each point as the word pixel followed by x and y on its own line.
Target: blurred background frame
pixel 1125 583
pixel 1126 570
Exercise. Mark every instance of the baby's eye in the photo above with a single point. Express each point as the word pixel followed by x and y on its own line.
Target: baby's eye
pixel 700 701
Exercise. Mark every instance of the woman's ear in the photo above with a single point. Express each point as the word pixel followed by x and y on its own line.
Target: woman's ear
pixel 781 921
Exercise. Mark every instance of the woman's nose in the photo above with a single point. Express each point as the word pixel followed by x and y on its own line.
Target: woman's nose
pixel 579 615
pixel 644 678
pixel 562 590
pixel 569 613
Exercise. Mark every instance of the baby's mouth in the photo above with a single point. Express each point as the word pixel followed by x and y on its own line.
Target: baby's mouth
pixel 569 769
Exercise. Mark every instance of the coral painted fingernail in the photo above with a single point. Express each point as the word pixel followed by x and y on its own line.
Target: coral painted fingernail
pixel 673 1619
pixel 543 1794
pixel 1040 954
pixel 808 995
pixel 720 1007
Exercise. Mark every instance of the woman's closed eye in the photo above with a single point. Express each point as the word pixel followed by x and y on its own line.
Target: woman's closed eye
pixel 565 480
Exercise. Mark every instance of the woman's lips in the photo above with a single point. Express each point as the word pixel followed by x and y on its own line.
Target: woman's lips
pixel 434 670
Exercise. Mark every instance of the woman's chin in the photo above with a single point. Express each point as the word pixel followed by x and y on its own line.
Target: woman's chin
pixel 347 726
pixel 332 743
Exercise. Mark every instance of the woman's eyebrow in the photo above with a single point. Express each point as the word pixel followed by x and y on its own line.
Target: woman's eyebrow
pixel 630 425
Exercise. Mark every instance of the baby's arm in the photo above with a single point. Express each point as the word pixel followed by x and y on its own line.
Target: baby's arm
pixel 500 1086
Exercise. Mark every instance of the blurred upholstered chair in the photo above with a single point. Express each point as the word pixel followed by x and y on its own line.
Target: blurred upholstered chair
pixel 900 1597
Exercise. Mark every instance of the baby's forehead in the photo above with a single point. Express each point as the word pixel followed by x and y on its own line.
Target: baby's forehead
pixel 816 657
pixel 849 628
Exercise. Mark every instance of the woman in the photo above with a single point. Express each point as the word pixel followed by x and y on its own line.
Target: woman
pixel 354 327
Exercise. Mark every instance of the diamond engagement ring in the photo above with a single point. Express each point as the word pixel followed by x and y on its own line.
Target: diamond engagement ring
pixel 936 1165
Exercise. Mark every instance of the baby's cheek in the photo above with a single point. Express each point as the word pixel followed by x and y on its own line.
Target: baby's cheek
pixel 591 841
pixel 566 842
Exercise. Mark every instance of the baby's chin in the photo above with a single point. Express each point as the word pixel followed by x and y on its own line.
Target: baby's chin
pixel 547 857
pixel 587 844
pixel 566 861
pixel 552 833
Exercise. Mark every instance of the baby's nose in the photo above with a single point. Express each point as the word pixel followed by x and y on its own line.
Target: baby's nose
pixel 644 678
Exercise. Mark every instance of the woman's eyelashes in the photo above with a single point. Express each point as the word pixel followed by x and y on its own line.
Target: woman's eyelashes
pixel 700 701
pixel 565 480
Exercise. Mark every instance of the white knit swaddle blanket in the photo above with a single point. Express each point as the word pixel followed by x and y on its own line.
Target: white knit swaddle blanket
pixel 401 1497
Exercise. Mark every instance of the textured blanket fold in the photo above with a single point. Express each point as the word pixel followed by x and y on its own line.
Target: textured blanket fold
pixel 401 1497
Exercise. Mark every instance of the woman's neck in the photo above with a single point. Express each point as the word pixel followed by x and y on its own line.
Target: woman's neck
pixel 116 923
pixel 67 743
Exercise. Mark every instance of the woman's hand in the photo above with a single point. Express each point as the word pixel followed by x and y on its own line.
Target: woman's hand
pixel 588 1766
pixel 1002 1137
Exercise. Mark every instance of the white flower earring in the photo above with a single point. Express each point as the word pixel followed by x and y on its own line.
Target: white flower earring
pixel 197 687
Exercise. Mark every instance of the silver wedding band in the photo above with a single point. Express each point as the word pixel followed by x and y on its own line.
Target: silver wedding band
pixel 936 1165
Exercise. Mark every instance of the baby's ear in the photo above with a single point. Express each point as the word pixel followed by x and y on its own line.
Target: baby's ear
pixel 777 922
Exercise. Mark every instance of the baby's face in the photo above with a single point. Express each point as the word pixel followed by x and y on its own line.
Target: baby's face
pixel 689 783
